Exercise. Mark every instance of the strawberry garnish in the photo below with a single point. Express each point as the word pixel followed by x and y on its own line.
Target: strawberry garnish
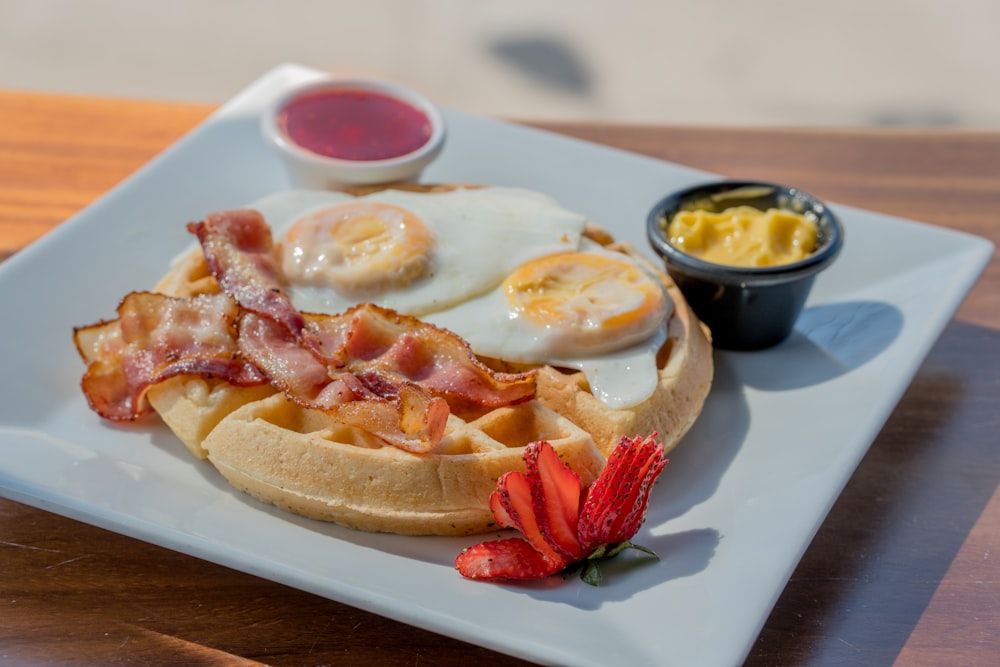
pixel 563 524
pixel 515 497
pixel 512 558
pixel 616 503
pixel 555 497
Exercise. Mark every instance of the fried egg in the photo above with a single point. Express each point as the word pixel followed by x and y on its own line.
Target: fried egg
pixel 508 270
pixel 414 252
pixel 596 311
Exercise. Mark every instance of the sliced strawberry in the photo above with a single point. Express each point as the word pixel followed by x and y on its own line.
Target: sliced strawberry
pixel 615 505
pixel 499 513
pixel 555 492
pixel 511 558
pixel 514 496
pixel 563 525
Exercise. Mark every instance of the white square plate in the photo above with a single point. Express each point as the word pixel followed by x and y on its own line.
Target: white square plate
pixel 781 433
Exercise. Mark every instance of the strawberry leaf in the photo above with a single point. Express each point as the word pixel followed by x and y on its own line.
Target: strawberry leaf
pixel 639 547
pixel 591 573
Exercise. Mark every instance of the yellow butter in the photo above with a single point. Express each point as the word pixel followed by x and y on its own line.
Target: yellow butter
pixel 744 236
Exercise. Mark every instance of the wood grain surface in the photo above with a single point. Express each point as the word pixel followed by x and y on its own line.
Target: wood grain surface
pixel 905 569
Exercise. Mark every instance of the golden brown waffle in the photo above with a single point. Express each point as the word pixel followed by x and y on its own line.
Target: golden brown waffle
pixel 305 462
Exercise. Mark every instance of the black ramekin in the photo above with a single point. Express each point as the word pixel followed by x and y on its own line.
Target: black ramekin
pixel 746 308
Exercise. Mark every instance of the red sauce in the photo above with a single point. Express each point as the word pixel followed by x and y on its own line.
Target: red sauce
pixel 354 125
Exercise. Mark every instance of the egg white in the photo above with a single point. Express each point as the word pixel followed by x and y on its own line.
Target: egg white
pixel 483 235
pixel 480 235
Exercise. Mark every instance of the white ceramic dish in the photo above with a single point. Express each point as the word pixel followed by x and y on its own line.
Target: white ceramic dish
pixel 309 170
pixel 781 433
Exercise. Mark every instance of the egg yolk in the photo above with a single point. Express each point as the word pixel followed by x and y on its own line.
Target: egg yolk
pixel 592 299
pixel 357 247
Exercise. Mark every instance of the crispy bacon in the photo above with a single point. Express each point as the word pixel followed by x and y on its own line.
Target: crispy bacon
pixel 400 412
pixel 388 361
pixel 412 420
pixel 395 383
pixel 371 338
pixel 239 251
pixel 155 338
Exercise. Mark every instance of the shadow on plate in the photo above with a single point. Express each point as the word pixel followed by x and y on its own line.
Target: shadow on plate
pixel 828 341
pixel 706 452
pixel 681 554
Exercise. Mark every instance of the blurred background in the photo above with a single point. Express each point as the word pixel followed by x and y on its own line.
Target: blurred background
pixel 695 62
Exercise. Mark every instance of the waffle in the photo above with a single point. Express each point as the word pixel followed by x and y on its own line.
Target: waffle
pixel 304 461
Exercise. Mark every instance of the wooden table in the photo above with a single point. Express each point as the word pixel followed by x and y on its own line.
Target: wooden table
pixel 906 567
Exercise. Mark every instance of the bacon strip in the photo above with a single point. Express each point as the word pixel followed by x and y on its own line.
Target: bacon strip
pixel 390 360
pixel 412 420
pixel 396 383
pixel 371 338
pixel 239 251
pixel 155 338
